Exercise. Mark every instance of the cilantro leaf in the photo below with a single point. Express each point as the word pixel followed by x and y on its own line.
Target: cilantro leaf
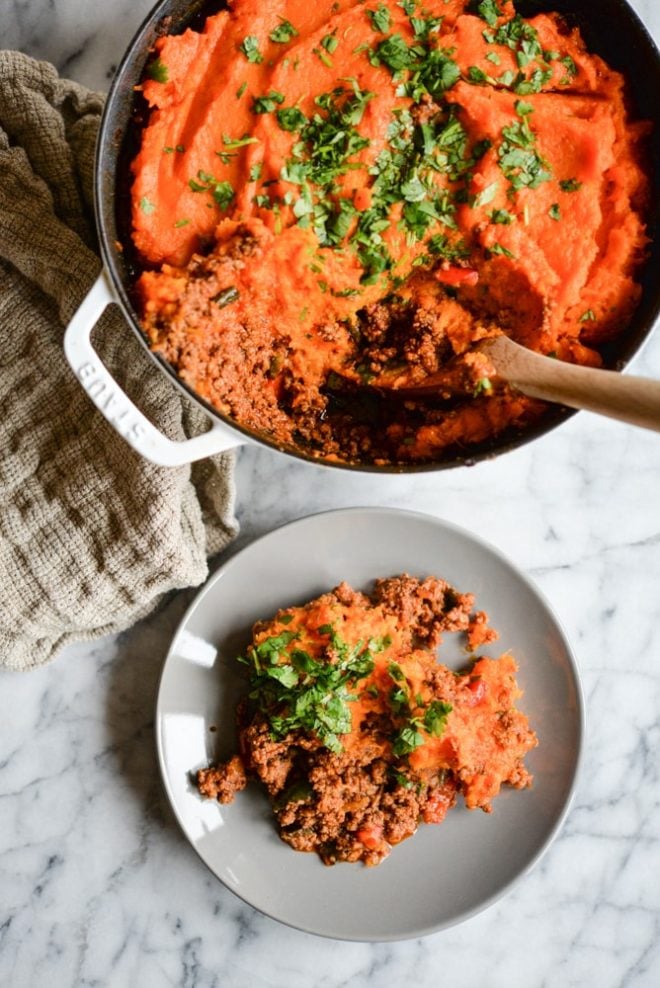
pixel 250 48
pixel 477 75
pixel 483 386
pixel 291 118
pixel 394 53
pixel 380 18
pixel 425 26
pixel 486 195
pixel 518 158
pixel 222 192
pixel 489 12
pixel 501 216
pixel 297 691
pixel 226 297
pixel 330 42
pixel 406 740
pixel 435 716
pixel 284 32
pixel 266 104
pixel 499 249
pixel 158 71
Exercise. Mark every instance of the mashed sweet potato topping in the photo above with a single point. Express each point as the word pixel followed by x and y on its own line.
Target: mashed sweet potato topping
pixel 355 729
pixel 329 192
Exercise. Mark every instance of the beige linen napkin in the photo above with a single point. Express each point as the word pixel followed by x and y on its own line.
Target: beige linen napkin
pixel 91 535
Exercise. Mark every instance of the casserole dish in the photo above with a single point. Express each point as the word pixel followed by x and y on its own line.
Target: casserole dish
pixel 616 34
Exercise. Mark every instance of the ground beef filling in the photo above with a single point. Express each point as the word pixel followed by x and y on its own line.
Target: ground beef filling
pixel 400 737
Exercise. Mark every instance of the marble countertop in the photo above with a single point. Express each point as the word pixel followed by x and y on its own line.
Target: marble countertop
pixel 97 885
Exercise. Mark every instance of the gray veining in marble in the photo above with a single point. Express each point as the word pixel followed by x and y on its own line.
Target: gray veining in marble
pixel 97 886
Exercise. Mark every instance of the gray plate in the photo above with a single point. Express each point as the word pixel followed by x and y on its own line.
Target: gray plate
pixel 443 874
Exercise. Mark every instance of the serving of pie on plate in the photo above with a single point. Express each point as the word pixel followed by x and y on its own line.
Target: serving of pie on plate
pixel 444 873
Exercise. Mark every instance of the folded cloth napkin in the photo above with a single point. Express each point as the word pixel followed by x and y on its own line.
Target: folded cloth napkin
pixel 91 535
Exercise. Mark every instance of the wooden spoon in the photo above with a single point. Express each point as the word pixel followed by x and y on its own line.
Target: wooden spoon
pixel 635 400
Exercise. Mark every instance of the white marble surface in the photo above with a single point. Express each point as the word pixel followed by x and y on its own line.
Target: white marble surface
pixel 97 887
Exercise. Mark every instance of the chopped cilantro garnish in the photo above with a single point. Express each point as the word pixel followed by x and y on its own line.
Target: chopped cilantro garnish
pixel 570 185
pixel 396 672
pixel 555 212
pixel 241 89
pixel 345 293
pixel 518 158
pixel 571 70
pixel 414 714
pixel 499 249
pixel 520 37
pixel 222 192
pixel 435 715
pixel 284 32
pixel 232 146
pixel 401 779
pixel 489 12
pixel 477 75
pixel 587 316
pixel 502 216
pixel 440 246
pixel 298 792
pixel 266 104
pixel 180 223
pixel 231 143
pixel 394 53
pixel 226 297
pixel 486 195
pixel 437 73
pixel 255 171
pixel 533 84
pixel 250 48
pixel 291 118
pixel 323 56
pixel 158 71
pixel 425 26
pixel 299 692
pixel 406 740
pixel 523 109
pixel 328 142
pixel 147 206
pixel 380 18
pixel 330 42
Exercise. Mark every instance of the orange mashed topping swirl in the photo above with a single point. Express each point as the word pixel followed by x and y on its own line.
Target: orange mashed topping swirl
pixel 325 194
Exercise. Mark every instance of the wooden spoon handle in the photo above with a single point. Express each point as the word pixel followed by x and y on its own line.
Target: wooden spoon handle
pixel 635 400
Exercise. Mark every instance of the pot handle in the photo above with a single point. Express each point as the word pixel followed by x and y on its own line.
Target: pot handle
pixel 116 406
